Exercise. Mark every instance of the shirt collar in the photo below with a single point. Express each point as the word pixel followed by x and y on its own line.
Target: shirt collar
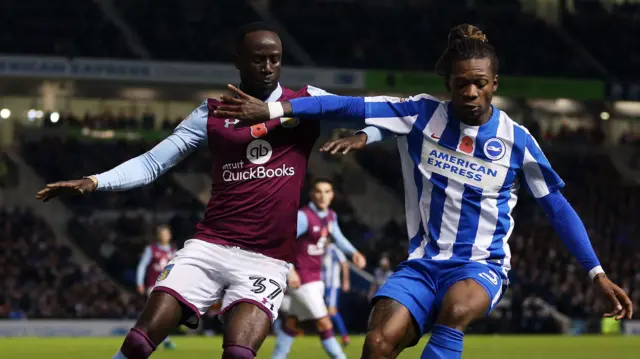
pixel 320 213
pixel 274 96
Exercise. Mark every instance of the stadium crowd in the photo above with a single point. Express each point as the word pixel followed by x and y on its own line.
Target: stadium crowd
pixel 170 31
pixel 42 280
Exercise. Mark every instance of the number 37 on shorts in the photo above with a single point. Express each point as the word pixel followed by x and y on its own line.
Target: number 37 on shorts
pixel 260 287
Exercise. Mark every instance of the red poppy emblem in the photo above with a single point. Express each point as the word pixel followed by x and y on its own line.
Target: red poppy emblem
pixel 466 145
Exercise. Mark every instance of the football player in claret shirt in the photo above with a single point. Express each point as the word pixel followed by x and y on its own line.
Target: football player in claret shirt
pixel 317 225
pixel 242 248
pixel 154 259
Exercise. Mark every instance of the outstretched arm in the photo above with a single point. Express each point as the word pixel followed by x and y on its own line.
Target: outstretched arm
pixel 543 182
pixel 366 136
pixel 143 169
pixel 345 246
pixel 375 134
pixel 340 240
pixel 392 113
pixel 571 230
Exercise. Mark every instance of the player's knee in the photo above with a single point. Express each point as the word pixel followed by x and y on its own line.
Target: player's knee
pixel 324 324
pixel 377 345
pixel 291 323
pixel 458 316
pixel 233 351
pixel 291 327
pixel 137 344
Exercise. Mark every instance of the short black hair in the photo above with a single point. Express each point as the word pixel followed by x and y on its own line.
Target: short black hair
pixel 321 180
pixel 466 42
pixel 249 28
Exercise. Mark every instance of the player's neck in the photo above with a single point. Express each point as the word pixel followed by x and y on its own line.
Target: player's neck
pixel 484 118
pixel 261 94
pixel 317 209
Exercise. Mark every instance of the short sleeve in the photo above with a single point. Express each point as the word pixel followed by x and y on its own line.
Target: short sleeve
pixel 537 174
pixel 397 114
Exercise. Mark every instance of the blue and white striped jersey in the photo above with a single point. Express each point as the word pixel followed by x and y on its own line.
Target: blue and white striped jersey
pixel 461 182
pixel 331 266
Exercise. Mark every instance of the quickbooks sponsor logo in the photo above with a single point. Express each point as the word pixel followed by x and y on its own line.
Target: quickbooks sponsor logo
pixel 259 152
pixel 259 172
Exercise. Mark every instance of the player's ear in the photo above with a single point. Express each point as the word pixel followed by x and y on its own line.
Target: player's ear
pixel 495 83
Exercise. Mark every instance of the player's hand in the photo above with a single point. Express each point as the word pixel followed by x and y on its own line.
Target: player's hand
pixel 294 279
pixel 243 107
pixel 620 302
pixel 141 289
pixel 346 286
pixel 66 188
pixel 344 145
pixel 359 260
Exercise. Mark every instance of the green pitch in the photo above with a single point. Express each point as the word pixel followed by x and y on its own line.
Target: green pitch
pixel 476 347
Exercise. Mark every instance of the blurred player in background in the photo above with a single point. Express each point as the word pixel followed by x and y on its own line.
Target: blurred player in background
pixel 463 163
pixel 380 275
pixel 316 222
pixel 242 247
pixel 336 277
pixel 155 257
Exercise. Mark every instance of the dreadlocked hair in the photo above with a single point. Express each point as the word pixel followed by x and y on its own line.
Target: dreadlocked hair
pixel 466 42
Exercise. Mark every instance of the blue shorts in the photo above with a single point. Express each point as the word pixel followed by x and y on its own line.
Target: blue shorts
pixel 331 296
pixel 420 285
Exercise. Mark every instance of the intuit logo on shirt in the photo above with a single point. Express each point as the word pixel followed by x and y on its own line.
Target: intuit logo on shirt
pixel 462 167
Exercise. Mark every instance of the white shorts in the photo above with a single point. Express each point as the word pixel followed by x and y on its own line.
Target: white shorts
pixel 202 273
pixel 286 303
pixel 307 302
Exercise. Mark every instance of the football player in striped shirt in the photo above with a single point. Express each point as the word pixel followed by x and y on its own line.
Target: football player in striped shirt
pixel 336 277
pixel 463 163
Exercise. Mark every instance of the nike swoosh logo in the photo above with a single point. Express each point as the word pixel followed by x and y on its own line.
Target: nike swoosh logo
pixel 433 135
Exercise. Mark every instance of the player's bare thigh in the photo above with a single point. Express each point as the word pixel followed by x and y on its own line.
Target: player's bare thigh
pixel 161 314
pixel 247 325
pixel 391 329
pixel 252 298
pixel 464 302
